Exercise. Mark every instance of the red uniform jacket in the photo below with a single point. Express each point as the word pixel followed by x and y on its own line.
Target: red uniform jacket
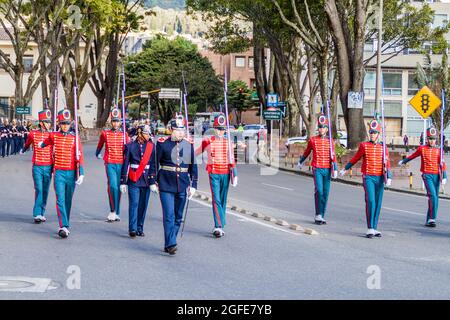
pixel 430 159
pixel 64 148
pixel 321 153
pixel 113 139
pixel 372 155
pixel 41 156
pixel 218 155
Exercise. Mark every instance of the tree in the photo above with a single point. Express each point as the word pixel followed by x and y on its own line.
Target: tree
pixel 107 42
pixel 239 98
pixel 161 65
pixel 21 21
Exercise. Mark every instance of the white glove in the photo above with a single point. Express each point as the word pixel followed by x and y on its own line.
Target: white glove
pixel 342 172
pixel 123 188
pixel 444 181
pixel 234 183
pixel 335 174
pixel 41 144
pixel 21 151
pixel 154 188
pixel 300 164
pixel 388 182
pixel 99 156
pixel 80 180
pixel 191 192
pixel 400 163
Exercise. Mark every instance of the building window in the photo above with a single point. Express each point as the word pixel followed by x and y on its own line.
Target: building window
pixel 369 46
pixel 370 83
pixel 240 62
pixel 392 109
pixel 392 84
pixel 413 87
pixel 4 107
pixel 251 61
pixel 27 64
pixel 440 20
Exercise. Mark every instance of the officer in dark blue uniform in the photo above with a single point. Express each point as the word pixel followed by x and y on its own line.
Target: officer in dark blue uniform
pixel 3 137
pixel 9 138
pixel 177 179
pixel 138 178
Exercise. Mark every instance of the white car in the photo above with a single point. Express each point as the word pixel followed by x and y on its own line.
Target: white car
pixel 251 130
pixel 342 135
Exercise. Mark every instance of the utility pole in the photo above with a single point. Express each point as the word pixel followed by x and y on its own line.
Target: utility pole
pixel 380 40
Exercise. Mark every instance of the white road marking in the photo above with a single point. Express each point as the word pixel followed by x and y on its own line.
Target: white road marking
pixel 405 211
pixel 39 285
pixel 250 220
pixel 279 187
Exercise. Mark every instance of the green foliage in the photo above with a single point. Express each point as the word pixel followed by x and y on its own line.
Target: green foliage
pixel 340 151
pixel 161 65
pixel 239 97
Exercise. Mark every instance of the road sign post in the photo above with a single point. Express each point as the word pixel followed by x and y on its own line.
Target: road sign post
pixel 425 102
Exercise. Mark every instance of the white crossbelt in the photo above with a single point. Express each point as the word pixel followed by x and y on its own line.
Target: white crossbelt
pixel 174 169
pixel 135 166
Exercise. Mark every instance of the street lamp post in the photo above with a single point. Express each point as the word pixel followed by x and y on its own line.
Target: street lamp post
pixel 380 39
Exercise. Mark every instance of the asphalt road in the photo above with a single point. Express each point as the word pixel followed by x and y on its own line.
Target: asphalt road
pixel 254 260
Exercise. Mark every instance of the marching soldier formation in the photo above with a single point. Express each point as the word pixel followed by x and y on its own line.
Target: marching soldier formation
pixel 167 166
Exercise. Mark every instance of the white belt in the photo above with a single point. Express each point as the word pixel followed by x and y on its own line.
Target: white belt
pixel 174 169
pixel 135 166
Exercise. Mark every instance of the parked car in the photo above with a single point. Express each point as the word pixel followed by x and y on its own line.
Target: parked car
pixel 251 130
pixel 342 135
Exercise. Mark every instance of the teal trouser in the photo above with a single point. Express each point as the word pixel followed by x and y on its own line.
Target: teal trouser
pixel 113 174
pixel 432 183
pixel 374 189
pixel 219 184
pixel 322 180
pixel 64 188
pixel 42 176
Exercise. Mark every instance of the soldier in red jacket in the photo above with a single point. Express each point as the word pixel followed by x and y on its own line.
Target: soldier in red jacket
pixel 324 167
pixel 68 170
pixel 114 141
pixel 221 170
pixel 374 171
pixel 433 173
pixel 42 164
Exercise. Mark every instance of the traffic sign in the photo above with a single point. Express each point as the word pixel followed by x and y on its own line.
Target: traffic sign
pixel 425 102
pixel 144 94
pixel 254 96
pixel 272 100
pixel 23 110
pixel 272 115
pixel 170 93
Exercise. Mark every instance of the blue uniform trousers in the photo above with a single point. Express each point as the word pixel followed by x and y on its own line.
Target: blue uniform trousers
pixel 138 201
pixel 219 184
pixel 64 183
pixel 2 147
pixel 432 183
pixel 374 189
pixel 113 172
pixel 322 180
pixel 173 206
pixel 9 146
pixel 42 176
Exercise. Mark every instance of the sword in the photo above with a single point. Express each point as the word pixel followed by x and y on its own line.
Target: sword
pixel 185 215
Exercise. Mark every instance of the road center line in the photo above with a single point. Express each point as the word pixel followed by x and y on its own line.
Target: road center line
pixel 405 211
pixel 248 219
pixel 279 187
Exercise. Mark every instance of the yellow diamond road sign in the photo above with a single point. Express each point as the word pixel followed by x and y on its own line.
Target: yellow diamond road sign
pixel 425 102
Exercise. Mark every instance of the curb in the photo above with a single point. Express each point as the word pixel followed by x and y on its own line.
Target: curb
pixel 279 222
pixel 354 183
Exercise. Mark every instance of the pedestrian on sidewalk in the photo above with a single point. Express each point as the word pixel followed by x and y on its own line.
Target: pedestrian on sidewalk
pixel 433 173
pixel 68 170
pixel 373 175
pixel 324 167
pixel 42 164
pixel 114 141
pixel 138 178
pixel 221 169
pixel 177 179
pixel 406 142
